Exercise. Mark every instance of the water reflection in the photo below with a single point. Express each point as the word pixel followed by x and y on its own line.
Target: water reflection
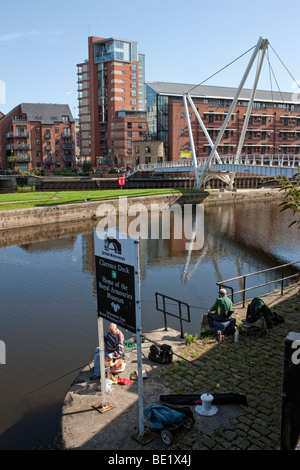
pixel 48 298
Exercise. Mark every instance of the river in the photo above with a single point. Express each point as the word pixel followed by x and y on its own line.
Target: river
pixel 48 300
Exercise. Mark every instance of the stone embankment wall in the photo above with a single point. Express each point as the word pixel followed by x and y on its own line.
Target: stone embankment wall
pixel 12 219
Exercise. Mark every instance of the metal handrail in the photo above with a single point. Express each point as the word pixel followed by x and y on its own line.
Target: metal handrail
pixel 165 312
pixel 245 276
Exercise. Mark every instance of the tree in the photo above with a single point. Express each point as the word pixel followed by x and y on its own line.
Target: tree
pixel 292 196
pixel 87 168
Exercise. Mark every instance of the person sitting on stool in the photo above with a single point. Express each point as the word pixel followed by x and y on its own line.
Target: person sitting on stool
pixel 220 310
pixel 113 348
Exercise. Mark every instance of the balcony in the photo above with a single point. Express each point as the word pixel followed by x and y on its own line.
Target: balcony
pixel 67 135
pixel 49 161
pixel 68 146
pixel 68 158
pixel 20 159
pixel 47 136
pixel 18 147
pixel 48 148
pixel 17 135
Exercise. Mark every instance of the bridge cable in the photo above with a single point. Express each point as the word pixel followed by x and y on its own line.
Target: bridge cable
pixel 296 83
pixel 270 75
pixel 223 68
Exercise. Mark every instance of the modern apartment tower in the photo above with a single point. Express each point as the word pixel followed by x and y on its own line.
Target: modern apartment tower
pixel 111 101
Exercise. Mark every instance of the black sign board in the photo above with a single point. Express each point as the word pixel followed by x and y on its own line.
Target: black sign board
pixel 116 280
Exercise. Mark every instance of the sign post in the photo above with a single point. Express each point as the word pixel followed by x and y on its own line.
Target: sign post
pixel 118 295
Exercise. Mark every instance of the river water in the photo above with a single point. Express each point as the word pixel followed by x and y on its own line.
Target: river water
pixel 48 301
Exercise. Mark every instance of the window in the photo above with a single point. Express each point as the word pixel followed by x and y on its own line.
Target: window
pixel 129 134
pixel 56 130
pixel 37 129
pixel 133 76
pixel 133 66
pixel 65 119
pixel 133 84
pixel 129 125
pixel 133 101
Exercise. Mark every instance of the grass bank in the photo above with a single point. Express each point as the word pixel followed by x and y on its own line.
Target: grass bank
pixel 37 199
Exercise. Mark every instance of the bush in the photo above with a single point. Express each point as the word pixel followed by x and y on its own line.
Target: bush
pixel 26 189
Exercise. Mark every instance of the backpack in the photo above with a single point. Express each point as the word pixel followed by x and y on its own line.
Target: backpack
pixel 257 309
pixel 162 354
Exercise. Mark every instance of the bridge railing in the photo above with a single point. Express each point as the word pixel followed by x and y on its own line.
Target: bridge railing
pixel 270 160
pixel 245 277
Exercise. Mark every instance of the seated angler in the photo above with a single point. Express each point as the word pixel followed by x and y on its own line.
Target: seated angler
pixel 221 309
pixel 113 348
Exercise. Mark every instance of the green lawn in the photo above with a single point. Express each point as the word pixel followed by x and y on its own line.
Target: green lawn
pixel 39 199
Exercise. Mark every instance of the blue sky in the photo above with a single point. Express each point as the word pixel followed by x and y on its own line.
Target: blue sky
pixel 183 41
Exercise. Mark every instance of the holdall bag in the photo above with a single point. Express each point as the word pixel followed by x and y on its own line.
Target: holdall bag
pixel 163 354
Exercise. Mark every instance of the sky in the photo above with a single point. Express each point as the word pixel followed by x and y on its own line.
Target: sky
pixel 188 41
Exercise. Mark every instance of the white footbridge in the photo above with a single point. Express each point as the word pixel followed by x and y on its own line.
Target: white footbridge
pixel 226 167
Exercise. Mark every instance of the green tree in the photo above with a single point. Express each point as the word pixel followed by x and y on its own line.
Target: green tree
pixel 292 196
pixel 87 168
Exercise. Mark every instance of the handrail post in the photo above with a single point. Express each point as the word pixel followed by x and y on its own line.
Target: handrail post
pixel 165 313
pixel 282 277
pixel 244 287
pixel 180 319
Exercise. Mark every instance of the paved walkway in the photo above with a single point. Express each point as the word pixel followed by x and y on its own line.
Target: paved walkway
pixel 253 366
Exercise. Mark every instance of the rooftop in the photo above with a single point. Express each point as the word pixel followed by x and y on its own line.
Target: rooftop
pixel 44 113
pixel 221 92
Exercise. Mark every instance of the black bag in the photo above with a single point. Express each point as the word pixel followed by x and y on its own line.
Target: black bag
pixel 227 328
pixel 162 354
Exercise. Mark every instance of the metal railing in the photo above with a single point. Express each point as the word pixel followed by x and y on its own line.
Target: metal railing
pixel 179 304
pixel 270 160
pixel 246 276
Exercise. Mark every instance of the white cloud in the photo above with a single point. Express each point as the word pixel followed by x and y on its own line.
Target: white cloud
pixel 17 35
pixel 27 34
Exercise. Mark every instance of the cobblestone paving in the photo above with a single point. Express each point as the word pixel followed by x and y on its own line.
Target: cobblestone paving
pixel 253 366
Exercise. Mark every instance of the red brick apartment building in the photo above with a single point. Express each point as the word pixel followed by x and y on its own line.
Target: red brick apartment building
pixel 273 128
pixel 37 135
pixel 111 101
